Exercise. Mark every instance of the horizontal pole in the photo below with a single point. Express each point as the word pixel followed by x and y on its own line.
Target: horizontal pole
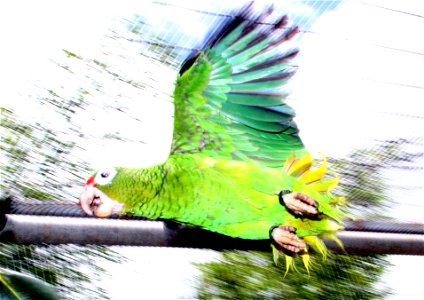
pixel 40 208
pixel 370 243
pixel 29 229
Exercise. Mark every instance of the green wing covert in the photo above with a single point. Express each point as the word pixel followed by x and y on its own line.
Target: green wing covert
pixel 230 96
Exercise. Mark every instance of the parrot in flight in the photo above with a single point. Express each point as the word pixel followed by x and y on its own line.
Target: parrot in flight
pixel 237 164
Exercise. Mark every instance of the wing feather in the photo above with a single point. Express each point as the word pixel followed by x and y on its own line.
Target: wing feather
pixel 230 97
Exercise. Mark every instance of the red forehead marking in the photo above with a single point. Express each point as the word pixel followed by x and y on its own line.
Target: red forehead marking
pixel 90 181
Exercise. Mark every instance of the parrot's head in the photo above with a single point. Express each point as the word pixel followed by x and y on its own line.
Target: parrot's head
pixel 94 201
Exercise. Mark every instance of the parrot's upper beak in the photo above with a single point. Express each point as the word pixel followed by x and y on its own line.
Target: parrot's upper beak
pixel 95 202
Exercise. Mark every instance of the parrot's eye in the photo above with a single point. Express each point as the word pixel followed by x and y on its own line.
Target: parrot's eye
pixel 105 176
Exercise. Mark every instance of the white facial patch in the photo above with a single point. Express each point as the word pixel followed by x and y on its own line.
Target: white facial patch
pixel 105 176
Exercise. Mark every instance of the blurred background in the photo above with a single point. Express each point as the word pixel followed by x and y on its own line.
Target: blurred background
pixel 89 83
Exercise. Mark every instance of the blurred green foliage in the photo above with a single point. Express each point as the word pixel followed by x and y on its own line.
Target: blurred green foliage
pixel 39 162
pixel 252 275
pixel 362 172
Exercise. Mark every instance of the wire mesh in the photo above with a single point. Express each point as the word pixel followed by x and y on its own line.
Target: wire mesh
pixel 129 75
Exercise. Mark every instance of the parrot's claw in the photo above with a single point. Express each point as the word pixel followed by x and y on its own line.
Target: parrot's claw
pixel 286 240
pixel 300 205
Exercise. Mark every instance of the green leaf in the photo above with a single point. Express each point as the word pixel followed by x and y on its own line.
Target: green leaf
pixel 14 285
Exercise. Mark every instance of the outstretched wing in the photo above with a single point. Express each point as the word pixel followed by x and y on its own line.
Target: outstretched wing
pixel 229 97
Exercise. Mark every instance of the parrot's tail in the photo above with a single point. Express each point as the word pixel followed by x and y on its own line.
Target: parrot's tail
pixel 320 181
pixel 331 216
pixel 301 168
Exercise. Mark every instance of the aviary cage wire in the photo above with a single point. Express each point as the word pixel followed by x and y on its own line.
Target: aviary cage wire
pixel 139 55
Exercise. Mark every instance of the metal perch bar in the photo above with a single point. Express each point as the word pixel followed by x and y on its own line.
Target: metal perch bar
pixel 38 208
pixel 30 229
pixel 54 223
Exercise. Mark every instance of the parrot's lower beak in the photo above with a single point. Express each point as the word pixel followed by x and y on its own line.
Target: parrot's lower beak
pixel 95 202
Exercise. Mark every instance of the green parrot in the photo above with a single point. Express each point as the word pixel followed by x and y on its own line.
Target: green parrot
pixel 237 165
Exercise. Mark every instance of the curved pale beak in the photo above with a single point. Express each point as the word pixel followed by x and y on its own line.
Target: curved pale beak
pixel 95 202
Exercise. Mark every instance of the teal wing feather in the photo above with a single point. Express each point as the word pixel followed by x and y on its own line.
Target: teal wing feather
pixel 230 97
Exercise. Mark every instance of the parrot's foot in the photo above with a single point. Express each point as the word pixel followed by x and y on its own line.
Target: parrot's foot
pixel 300 205
pixel 286 240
